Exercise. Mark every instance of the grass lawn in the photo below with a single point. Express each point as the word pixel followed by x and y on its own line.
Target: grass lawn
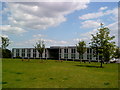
pixel 52 74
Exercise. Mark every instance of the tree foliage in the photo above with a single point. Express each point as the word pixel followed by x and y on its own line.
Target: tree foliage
pixel 6 53
pixel 81 48
pixel 102 44
pixel 5 42
pixel 40 46
pixel 117 52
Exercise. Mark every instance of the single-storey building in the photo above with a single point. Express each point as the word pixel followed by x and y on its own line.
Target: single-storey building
pixel 54 52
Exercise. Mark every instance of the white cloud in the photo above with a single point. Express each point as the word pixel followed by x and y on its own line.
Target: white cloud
pixel 99 14
pixel 103 8
pixel 10 29
pixel 41 15
pixel 91 15
pixel 114 31
pixel 39 36
pixel 48 42
pixel 90 24
pixel 87 36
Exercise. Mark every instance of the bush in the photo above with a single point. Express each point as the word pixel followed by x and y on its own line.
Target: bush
pixel 6 53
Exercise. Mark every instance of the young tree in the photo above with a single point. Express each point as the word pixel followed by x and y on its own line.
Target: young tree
pixel 5 42
pixel 81 48
pixel 40 46
pixel 6 53
pixel 102 45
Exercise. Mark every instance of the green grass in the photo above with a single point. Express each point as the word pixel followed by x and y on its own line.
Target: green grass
pixel 51 74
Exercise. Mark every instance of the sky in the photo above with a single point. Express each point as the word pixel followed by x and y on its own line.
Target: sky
pixel 56 23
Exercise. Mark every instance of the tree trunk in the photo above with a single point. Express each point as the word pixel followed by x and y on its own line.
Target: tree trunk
pixel 40 58
pixel 101 63
pixel 80 59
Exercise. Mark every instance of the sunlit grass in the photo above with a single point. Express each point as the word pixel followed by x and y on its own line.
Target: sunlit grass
pixel 52 74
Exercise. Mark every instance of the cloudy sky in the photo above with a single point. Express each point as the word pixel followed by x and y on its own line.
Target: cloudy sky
pixel 57 23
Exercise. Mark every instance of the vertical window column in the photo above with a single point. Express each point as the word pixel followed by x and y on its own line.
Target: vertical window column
pixel 66 53
pixel 73 53
pixel 17 53
pixel 23 53
pixel 34 53
pixel 28 53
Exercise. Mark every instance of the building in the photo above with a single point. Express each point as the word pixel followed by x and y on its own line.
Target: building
pixel 54 52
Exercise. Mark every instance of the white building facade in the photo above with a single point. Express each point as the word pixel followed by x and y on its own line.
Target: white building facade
pixel 55 52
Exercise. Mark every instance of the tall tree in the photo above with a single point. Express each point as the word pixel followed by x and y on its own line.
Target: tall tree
pixel 40 46
pixel 102 45
pixel 6 53
pixel 5 42
pixel 81 48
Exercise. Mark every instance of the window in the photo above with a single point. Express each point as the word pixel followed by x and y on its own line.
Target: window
pixel 87 56
pixel 28 50
pixel 90 56
pixel 34 50
pixel 65 55
pixel 65 50
pixel 90 50
pixel 17 52
pixel 73 56
pixel 45 55
pixel 23 52
pixel 34 54
pixel 80 56
pixel 28 55
pixel 73 50
pixel 87 50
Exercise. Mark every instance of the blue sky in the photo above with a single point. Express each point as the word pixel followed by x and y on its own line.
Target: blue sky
pixel 58 24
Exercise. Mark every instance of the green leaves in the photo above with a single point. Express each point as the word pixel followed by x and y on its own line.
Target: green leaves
pixel 5 42
pixel 102 44
pixel 81 47
pixel 40 46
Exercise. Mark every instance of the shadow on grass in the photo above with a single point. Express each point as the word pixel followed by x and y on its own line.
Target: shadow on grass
pixel 19 73
pixel 3 82
pixel 33 78
pixel 18 80
pixel 91 66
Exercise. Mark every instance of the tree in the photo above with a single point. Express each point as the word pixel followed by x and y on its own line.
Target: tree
pixel 109 50
pixel 102 45
pixel 5 42
pixel 6 53
pixel 117 52
pixel 40 46
pixel 81 48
